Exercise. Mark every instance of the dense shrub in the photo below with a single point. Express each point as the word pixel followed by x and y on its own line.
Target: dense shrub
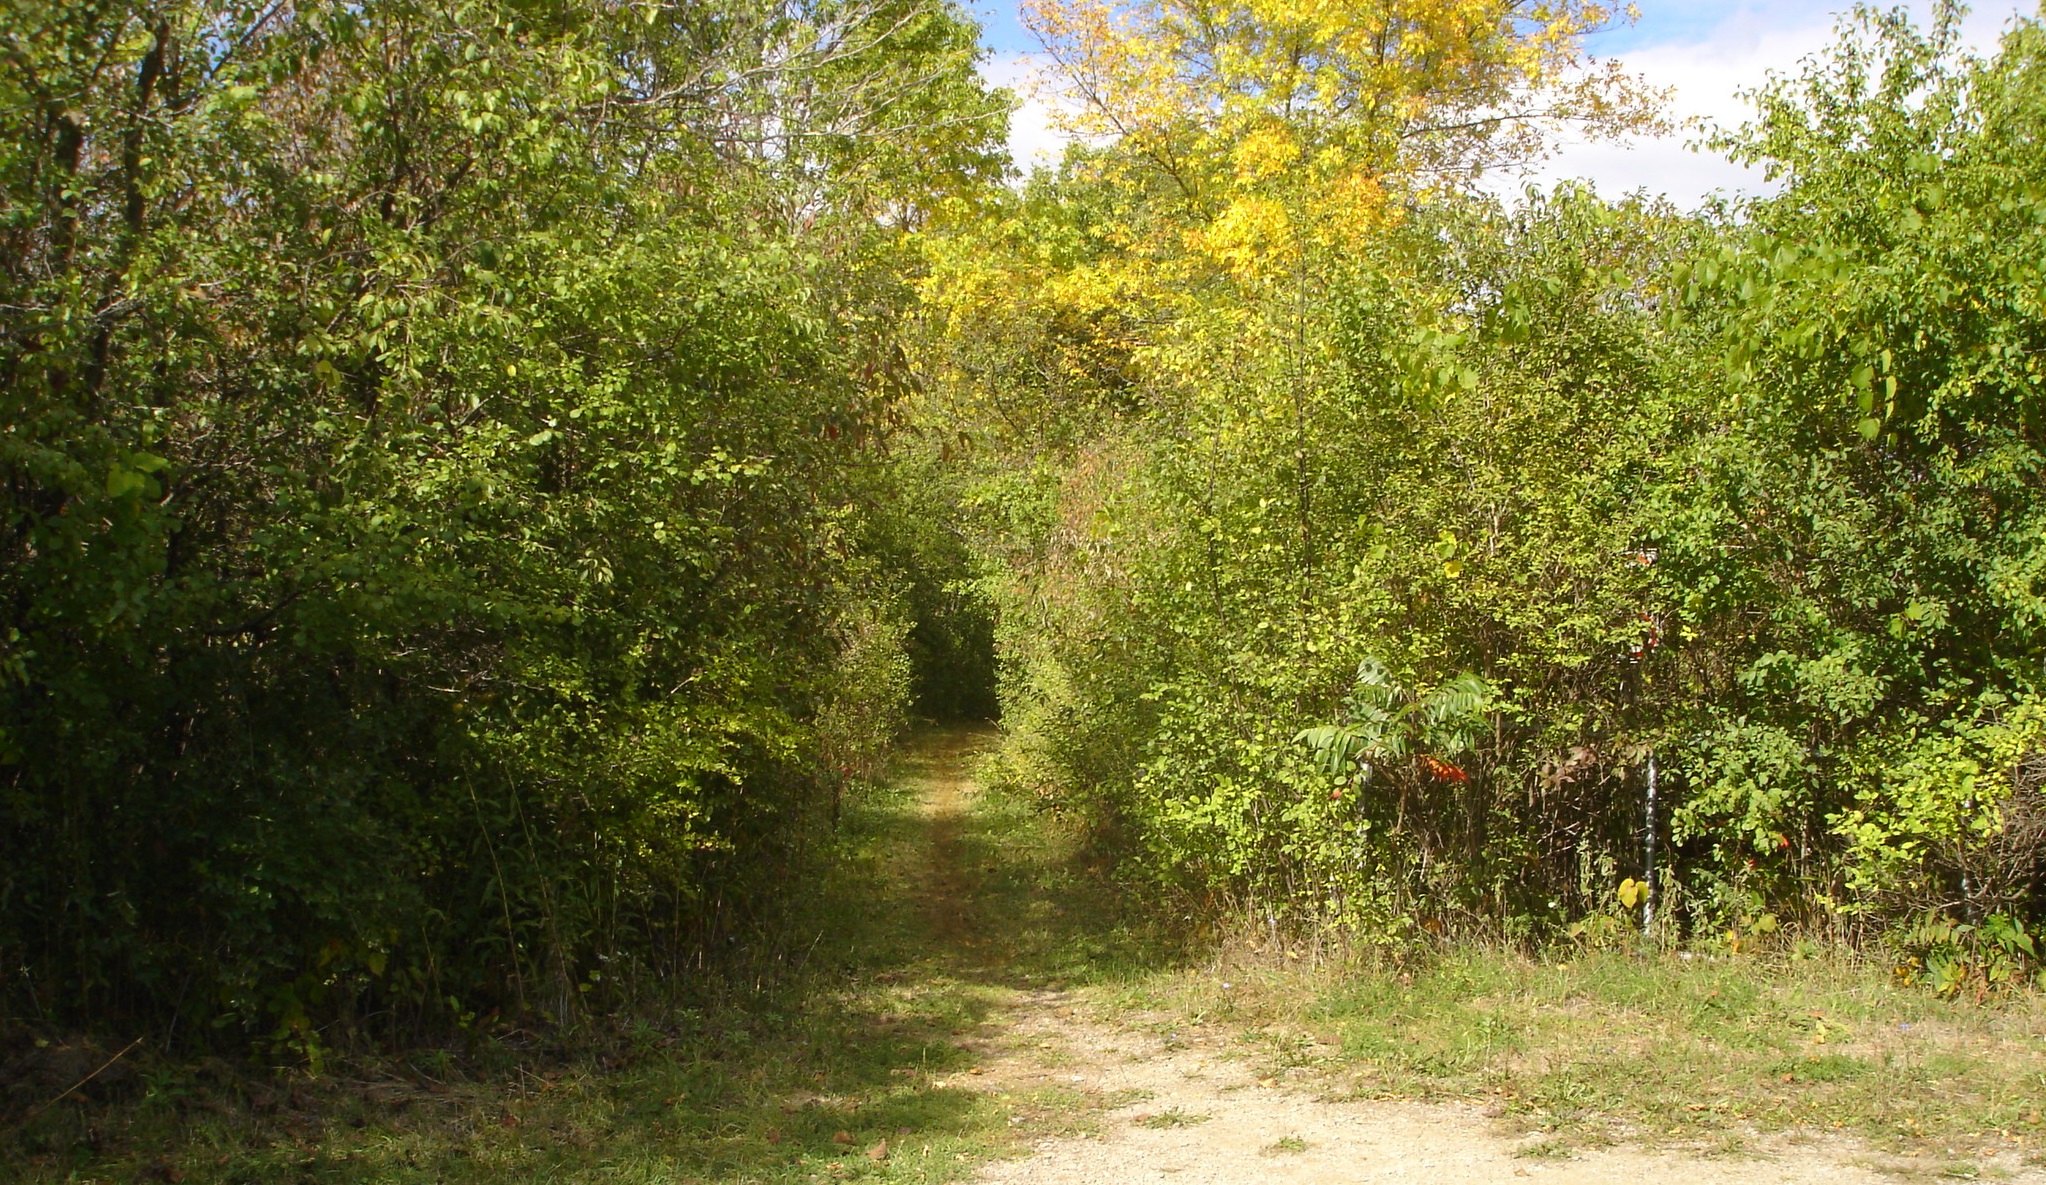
pixel 1754 491
pixel 434 457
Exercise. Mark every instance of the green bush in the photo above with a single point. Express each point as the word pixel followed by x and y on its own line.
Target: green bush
pixel 434 455
pixel 1753 491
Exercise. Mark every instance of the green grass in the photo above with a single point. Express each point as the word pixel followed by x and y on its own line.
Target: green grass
pixel 1168 1119
pixel 1654 1047
pixel 1543 1150
pixel 927 932
pixel 923 934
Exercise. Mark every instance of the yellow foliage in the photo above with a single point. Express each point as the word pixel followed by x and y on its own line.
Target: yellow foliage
pixel 1251 234
pixel 1264 152
pixel 1241 143
pixel 1384 76
pixel 1262 127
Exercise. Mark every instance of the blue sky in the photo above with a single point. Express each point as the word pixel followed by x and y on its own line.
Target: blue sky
pixel 1706 51
pixel 1660 23
pixel 1000 31
pixel 1682 23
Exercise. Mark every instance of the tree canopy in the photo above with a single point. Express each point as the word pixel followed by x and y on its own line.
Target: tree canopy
pixel 483 479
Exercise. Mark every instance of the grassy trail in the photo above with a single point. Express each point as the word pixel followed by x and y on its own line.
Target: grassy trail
pixel 959 991
pixel 940 918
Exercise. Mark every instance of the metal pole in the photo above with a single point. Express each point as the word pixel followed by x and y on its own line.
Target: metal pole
pixel 1648 878
pixel 1646 557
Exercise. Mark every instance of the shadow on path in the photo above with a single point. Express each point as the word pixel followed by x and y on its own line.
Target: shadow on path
pixel 1006 898
pixel 949 917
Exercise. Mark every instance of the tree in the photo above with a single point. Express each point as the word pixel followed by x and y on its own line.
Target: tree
pixel 431 458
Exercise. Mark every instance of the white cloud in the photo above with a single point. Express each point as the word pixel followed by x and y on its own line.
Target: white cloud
pixel 1033 140
pixel 1737 53
pixel 1708 76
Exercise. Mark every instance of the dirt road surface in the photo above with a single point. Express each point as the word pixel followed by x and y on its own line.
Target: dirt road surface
pixel 1189 1109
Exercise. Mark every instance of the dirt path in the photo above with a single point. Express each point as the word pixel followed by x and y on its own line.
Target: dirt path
pixel 1189 1109
pixel 1198 1115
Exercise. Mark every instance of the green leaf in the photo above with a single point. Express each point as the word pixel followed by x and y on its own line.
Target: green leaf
pixel 123 482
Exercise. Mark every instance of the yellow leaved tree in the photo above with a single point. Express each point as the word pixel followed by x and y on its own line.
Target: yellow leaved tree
pixel 1223 146
pixel 1272 122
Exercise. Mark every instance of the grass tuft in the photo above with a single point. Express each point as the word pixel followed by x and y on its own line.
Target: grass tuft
pixel 1690 1049
pixel 1169 1119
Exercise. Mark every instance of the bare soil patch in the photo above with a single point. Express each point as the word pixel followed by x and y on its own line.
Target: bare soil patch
pixel 1188 1107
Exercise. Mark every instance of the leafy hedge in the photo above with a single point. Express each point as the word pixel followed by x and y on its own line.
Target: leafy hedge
pixel 438 451
pixel 1754 490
